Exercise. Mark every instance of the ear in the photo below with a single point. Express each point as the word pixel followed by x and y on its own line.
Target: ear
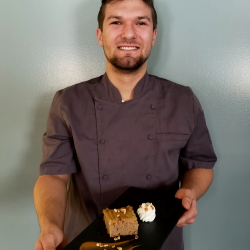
pixel 154 37
pixel 99 37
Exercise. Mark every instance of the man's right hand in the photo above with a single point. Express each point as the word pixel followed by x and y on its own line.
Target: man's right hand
pixel 50 195
pixel 53 239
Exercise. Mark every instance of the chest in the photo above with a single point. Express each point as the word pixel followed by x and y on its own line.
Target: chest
pixel 136 143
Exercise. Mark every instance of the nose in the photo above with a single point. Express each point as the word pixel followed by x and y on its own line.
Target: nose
pixel 128 31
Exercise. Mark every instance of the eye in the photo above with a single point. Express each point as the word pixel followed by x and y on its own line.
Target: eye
pixel 141 23
pixel 116 22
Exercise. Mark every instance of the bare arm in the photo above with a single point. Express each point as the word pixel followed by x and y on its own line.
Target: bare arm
pixel 194 184
pixel 50 194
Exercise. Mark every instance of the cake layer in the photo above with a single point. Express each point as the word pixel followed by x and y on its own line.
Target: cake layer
pixel 121 221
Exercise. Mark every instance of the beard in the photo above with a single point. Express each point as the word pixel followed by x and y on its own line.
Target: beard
pixel 127 64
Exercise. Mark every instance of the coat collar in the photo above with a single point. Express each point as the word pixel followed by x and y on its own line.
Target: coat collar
pixel 107 91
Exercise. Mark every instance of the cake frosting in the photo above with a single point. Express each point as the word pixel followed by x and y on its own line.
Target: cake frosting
pixel 146 212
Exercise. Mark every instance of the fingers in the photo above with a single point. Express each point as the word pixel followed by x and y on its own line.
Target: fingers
pixel 51 238
pixel 38 245
pixel 187 202
pixel 63 244
pixel 46 242
pixel 49 242
pixel 189 216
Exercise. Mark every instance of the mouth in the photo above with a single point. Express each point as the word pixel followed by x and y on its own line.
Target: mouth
pixel 128 48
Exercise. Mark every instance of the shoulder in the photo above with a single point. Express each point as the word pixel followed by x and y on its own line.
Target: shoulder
pixel 80 90
pixel 79 87
pixel 169 87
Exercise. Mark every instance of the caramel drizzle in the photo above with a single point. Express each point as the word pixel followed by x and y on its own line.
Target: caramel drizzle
pixel 125 245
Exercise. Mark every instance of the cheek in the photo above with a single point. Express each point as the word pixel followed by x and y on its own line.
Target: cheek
pixel 109 40
pixel 147 45
pixel 147 39
pixel 111 33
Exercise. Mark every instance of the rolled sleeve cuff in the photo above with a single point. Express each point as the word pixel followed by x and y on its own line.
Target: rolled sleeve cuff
pixel 192 164
pixel 55 170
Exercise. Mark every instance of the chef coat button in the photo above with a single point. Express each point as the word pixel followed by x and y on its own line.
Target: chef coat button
pixel 150 137
pixel 149 177
pixel 105 177
pixel 99 106
pixel 153 106
pixel 102 141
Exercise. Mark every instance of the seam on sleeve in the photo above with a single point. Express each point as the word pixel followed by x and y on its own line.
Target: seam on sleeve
pixel 60 104
pixel 194 117
pixel 60 92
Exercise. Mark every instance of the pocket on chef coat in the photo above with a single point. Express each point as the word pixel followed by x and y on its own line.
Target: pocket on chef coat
pixel 173 136
pixel 167 152
pixel 169 145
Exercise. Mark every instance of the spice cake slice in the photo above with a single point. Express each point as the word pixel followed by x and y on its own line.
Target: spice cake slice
pixel 121 221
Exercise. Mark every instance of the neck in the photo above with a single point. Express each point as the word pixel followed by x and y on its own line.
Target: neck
pixel 125 82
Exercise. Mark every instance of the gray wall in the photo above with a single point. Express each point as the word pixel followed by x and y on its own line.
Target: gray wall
pixel 48 45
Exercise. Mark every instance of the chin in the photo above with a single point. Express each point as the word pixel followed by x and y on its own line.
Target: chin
pixel 128 65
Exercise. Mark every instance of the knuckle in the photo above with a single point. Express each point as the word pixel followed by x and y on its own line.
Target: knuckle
pixel 191 221
pixel 195 212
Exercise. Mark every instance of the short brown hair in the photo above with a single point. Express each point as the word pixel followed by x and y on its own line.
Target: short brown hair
pixel 101 14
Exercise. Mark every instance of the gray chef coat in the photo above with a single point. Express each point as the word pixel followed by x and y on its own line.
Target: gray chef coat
pixel 109 145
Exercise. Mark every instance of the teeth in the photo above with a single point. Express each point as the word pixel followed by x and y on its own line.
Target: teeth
pixel 128 48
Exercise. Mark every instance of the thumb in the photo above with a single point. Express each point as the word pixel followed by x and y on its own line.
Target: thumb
pixel 49 243
pixel 63 244
pixel 186 202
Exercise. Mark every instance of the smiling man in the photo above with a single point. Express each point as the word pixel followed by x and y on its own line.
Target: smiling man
pixel 123 129
pixel 127 33
pixel 127 36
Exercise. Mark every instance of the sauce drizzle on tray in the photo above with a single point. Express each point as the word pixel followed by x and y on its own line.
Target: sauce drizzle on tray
pixel 125 245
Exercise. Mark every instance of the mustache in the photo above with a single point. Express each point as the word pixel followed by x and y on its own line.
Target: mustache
pixel 129 42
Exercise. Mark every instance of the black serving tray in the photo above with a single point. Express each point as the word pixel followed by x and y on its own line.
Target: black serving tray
pixel 151 234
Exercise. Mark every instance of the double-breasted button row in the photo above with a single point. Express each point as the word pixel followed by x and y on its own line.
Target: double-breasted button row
pixel 100 107
pixel 148 177
pixel 150 137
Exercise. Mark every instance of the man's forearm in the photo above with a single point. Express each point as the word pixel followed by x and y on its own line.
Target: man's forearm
pixel 197 180
pixel 50 194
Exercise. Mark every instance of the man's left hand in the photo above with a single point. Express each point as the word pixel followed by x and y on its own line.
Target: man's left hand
pixel 188 202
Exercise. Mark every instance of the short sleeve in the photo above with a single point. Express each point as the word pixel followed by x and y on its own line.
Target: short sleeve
pixel 198 152
pixel 58 147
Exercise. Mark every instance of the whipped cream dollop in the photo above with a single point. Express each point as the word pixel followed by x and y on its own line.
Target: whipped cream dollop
pixel 146 212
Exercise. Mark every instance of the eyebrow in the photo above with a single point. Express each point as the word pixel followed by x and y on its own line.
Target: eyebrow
pixel 115 17
pixel 144 17
pixel 120 17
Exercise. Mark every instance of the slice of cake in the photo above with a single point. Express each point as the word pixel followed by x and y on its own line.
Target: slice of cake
pixel 121 221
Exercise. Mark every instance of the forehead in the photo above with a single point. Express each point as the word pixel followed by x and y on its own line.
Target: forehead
pixel 127 8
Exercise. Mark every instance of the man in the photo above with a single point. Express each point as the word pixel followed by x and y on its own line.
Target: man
pixel 123 129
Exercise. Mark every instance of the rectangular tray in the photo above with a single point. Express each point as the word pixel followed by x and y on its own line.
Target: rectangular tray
pixel 151 234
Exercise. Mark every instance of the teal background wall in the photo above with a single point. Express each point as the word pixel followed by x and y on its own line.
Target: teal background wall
pixel 48 45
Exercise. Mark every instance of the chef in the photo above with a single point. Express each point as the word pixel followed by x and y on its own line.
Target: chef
pixel 123 129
